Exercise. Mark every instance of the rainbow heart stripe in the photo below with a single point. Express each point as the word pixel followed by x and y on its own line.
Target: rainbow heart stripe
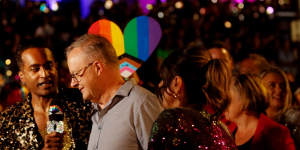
pixel 142 35
pixel 54 109
pixel 111 32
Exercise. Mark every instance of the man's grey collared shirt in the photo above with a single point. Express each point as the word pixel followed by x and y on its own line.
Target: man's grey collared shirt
pixel 125 122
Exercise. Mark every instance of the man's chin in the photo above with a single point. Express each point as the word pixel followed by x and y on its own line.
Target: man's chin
pixel 86 98
pixel 47 93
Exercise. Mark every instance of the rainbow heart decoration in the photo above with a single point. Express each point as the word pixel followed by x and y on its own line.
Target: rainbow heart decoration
pixel 141 36
pixel 111 32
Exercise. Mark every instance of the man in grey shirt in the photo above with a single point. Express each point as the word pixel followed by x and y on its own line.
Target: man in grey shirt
pixel 124 112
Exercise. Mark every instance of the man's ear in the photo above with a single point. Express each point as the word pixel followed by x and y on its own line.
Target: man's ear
pixel 99 67
pixel 21 75
pixel 176 84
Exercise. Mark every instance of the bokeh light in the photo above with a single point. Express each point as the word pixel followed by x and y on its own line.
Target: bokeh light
pixel 160 14
pixel 214 1
pixel 179 4
pixel 227 24
pixel 262 9
pixel 8 73
pixel 44 8
pixel 241 5
pixel 202 11
pixel 108 4
pixel 149 6
pixel 241 17
pixel 7 62
pixel 54 6
pixel 270 10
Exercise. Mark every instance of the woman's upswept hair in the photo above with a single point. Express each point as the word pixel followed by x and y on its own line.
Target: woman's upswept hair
pixel 288 97
pixel 253 94
pixel 206 81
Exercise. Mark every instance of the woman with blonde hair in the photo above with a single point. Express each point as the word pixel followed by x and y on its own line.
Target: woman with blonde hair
pixel 254 130
pixel 280 103
pixel 275 80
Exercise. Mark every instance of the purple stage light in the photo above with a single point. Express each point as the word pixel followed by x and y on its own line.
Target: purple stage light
pixel 238 1
pixel 143 4
pixel 85 8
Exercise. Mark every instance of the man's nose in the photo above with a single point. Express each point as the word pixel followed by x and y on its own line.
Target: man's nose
pixel 44 72
pixel 74 83
pixel 278 88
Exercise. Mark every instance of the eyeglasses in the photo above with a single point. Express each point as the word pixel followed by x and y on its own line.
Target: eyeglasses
pixel 80 73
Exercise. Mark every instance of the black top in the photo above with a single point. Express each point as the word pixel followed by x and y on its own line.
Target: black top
pixel 245 146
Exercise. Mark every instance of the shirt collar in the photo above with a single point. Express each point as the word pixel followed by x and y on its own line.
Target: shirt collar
pixel 122 92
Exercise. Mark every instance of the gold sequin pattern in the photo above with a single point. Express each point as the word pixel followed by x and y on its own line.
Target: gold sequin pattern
pixel 18 129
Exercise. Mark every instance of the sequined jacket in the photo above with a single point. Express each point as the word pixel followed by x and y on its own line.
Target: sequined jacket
pixel 179 129
pixel 18 129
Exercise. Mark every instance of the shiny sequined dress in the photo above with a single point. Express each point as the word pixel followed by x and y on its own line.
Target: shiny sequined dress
pixel 187 129
pixel 18 129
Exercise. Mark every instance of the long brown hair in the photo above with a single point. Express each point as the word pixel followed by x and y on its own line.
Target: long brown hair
pixel 206 81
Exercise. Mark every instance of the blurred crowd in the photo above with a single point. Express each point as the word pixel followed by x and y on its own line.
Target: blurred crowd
pixel 242 29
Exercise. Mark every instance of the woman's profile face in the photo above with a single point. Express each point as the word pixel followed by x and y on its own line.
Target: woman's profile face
pixel 275 85
pixel 168 99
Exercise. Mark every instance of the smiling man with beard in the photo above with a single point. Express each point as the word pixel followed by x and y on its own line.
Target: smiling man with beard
pixel 24 125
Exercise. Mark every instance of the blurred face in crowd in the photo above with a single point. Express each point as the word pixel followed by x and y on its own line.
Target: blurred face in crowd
pixel 235 106
pixel 276 87
pixel 248 66
pixel 38 72
pixel 82 73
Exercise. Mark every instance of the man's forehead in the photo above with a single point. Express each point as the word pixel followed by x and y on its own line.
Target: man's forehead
pixel 78 55
pixel 37 56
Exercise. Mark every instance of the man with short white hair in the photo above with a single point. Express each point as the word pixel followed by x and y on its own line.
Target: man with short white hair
pixel 124 112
